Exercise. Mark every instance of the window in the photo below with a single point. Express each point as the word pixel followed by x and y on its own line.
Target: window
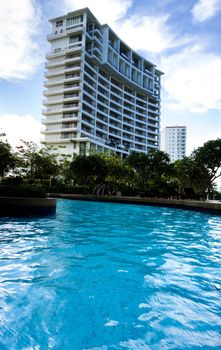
pixel 74 39
pixel 59 23
pixel 65 135
pixel 69 76
pixel 74 20
pixel 57 50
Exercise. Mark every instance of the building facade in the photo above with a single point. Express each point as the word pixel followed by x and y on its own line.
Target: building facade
pixel 100 94
pixel 173 142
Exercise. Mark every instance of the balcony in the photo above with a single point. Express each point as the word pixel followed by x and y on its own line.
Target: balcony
pixel 71 77
pixel 58 130
pixel 115 126
pixel 54 73
pixel 56 35
pixel 54 63
pixel 61 52
pixel 54 81
pixel 100 127
pixel 128 130
pixel 61 90
pixel 59 109
pixel 63 61
pixel 62 71
pixel 127 137
pixel 60 99
pixel 59 119
pixel 95 36
pixel 69 30
pixel 70 106
pixel 128 122
pixel 51 101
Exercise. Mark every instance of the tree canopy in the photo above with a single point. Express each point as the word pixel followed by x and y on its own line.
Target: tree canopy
pixel 89 169
pixel 149 174
pixel 208 157
pixel 7 160
pixel 148 167
pixel 35 162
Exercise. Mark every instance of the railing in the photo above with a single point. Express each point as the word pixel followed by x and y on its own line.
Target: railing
pixel 51 91
pixel 68 48
pixel 71 96
pixel 99 190
pixel 69 126
pixel 72 67
pixel 47 110
pixel 71 86
pixel 54 63
pixel 70 106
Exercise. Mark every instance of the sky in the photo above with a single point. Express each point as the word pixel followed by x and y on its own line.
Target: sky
pixel 181 36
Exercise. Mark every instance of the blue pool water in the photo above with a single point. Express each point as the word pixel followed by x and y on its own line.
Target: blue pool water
pixel 109 276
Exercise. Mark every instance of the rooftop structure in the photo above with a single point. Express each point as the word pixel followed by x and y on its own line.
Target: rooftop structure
pixel 100 94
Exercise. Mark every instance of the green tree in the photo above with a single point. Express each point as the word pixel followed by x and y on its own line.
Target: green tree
pixel 36 163
pixel 208 158
pixel 7 159
pixel 89 170
pixel 118 171
pixel 140 163
pixel 159 164
pixel 187 173
pixel 151 168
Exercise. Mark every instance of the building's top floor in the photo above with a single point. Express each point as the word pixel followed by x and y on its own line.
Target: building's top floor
pixel 75 13
pixel 175 127
pixel 85 18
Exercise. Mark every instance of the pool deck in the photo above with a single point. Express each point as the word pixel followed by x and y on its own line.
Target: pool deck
pixel 210 207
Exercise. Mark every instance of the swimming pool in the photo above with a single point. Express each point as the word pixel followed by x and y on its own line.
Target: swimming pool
pixel 110 276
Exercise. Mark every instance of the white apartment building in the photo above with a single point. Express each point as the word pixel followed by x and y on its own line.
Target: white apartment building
pixel 100 94
pixel 173 142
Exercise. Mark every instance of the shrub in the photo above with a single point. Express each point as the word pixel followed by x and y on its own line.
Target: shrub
pixel 127 190
pixel 17 180
pixel 22 191
pixel 78 189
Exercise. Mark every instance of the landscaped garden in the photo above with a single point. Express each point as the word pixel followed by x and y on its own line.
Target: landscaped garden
pixel 33 171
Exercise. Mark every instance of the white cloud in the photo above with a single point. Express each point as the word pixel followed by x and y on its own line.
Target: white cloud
pixel 17 127
pixel 145 33
pixel 205 9
pixel 19 20
pixel 192 80
pixel 106 11
pixel 149 33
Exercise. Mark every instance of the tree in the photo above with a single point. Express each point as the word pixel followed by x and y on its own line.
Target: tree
pixel 159 164
pixel 139 162
pixel 36 163
pixel 208 158
pixel 117 170
pixel 187 174
pixel 46 165
pixel 89 170
pixel 150 168
pixel 7 159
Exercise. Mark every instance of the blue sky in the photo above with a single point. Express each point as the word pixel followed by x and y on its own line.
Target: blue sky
pixel 181 37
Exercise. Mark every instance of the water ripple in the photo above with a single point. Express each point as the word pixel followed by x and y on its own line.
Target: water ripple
pixel 104 276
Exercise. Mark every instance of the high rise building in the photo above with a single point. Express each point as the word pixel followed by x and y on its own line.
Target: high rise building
pixel 100 94
pixel 173 142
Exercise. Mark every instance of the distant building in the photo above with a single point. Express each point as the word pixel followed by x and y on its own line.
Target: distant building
pixel 100 94
pixel 173 142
